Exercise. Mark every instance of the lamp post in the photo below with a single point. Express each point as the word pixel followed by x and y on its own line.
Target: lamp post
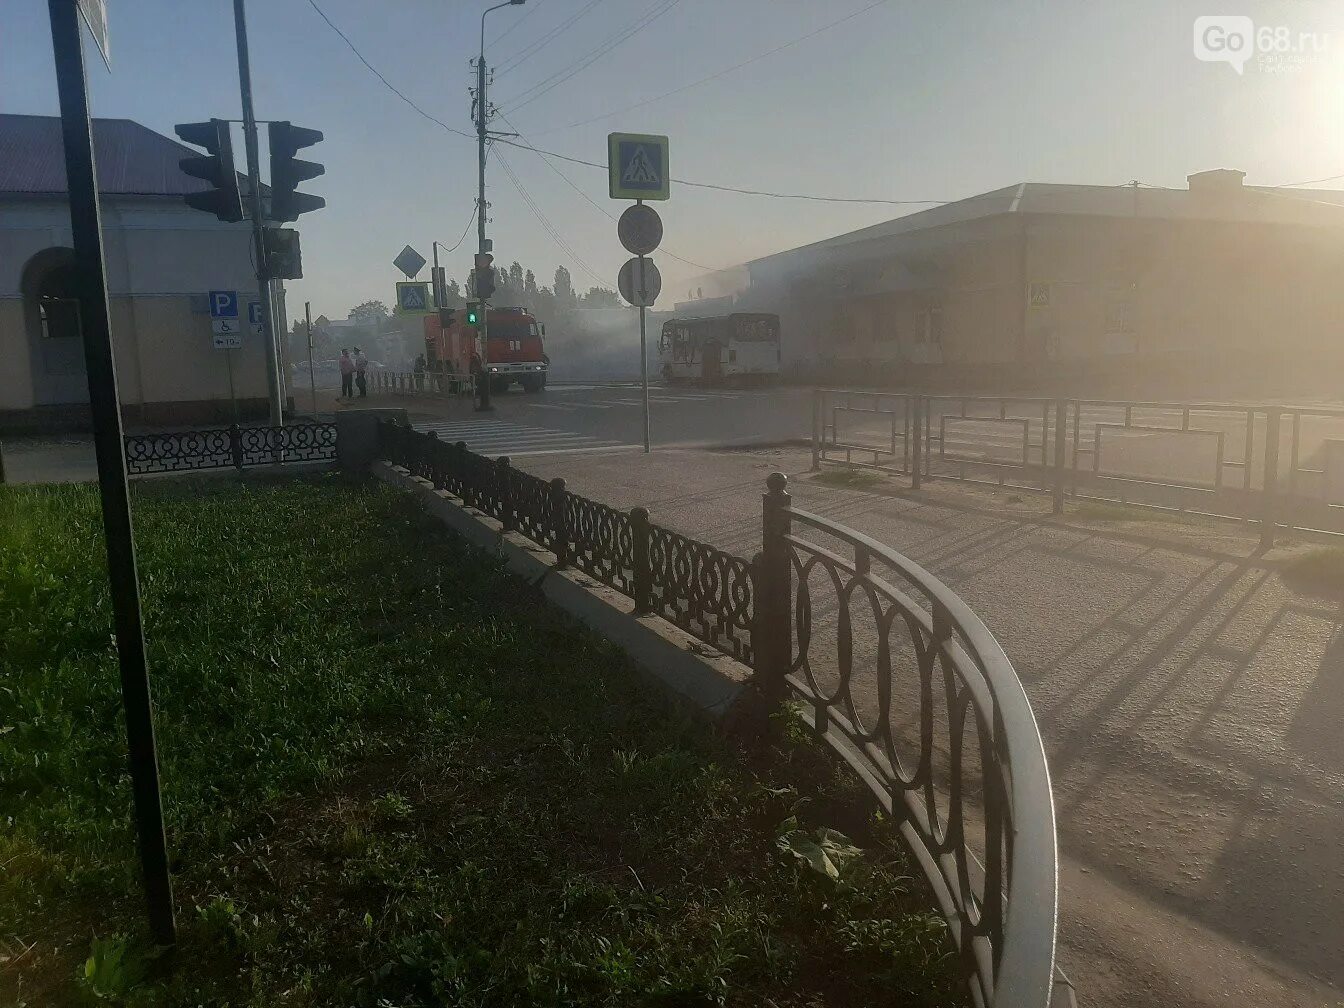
pixel 483 243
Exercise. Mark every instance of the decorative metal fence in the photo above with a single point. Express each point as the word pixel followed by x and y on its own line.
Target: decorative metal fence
pixel 421 383
pixel 234 446
pixel 920 700
pixel 1254 462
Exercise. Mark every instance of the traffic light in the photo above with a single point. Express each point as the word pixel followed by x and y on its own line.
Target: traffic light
pixel 485 275
pixel 224 200
pixel 473 313
pixel 284 261
pixel 446 317
pixel 287 172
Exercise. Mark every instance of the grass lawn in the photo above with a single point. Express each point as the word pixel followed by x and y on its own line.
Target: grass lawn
pixel 394 777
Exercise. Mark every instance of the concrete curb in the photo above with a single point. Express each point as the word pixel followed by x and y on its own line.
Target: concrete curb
pixel 713 684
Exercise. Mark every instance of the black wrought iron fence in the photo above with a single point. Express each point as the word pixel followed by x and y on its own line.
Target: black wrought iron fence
pixel 225 447
pixel 921 701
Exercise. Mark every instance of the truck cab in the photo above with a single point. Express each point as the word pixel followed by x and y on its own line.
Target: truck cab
pixel 516 352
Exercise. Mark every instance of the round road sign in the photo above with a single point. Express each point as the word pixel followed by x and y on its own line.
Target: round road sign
pixel 640 229
pixel 639 282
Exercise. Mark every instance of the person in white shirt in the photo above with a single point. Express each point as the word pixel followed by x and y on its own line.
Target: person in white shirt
pixel 362 373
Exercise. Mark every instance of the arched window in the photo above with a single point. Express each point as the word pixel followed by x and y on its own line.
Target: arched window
pixel 58 303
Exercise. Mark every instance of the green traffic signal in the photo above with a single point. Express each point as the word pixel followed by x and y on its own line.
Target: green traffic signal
pixel 473 316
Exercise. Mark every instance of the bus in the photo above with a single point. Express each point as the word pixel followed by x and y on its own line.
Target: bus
pixel 727 349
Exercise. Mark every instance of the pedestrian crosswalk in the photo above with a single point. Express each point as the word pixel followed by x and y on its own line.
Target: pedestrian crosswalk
pixel 626 398
pixel 499 437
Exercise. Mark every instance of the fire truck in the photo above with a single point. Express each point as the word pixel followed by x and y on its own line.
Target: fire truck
pixel 515 354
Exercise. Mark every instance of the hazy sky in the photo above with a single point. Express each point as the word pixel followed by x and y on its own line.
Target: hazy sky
pixel 905 101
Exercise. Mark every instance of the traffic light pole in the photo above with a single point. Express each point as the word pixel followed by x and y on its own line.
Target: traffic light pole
pixel 483 326
pixel 277 415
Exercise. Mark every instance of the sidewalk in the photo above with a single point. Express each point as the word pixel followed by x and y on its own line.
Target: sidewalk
pixel 1190 702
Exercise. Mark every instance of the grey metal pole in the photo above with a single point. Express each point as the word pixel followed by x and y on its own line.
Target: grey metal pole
pixel 277 417
pixel 483 327
pixel 233 395
pixel 312 375
pixel 109 446
pixel 1269 518
pixel 1061 429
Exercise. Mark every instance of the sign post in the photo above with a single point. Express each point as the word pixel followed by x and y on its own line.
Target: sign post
pixel 640 230
pixel 87 232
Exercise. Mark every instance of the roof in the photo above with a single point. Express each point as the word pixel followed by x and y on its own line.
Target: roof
pixel 1264 204
pixel 132 159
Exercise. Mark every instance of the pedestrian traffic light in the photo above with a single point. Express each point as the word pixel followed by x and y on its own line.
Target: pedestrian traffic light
pixel 223 200
pixel 287 172
pixel 284 260
pixel 473 313
pixel 485 275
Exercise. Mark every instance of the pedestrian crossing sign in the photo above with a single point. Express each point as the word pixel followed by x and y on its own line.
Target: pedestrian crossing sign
pixel 413 298
pixel 637 165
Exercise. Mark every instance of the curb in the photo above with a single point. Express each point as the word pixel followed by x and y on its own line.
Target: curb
pixel 713 684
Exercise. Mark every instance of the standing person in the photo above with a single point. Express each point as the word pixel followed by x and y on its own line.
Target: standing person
pixel 362 373
pixel 420 372
pixel 347 375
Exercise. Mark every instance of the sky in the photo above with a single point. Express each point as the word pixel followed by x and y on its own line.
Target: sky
pixel 905 100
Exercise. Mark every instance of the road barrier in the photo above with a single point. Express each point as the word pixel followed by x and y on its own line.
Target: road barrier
pixel 233 446
pixel 437 384
pixel 943 735
pixel 1271 464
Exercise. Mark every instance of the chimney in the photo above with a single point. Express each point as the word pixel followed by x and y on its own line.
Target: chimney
pixel 1218 182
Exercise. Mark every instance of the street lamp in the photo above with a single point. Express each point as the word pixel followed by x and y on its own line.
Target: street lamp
pixel 482 247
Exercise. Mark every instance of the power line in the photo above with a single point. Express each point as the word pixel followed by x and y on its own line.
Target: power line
pixel 715 76
pixel 530 11
pixel 470 219
pixel 599 207
pixel 593 164
pixel 528 51
pixel 374 70
pixel 660 8
pixel 1290 185
pixel 545 223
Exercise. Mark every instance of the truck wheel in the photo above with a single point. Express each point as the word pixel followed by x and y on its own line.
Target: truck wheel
pixel 533 384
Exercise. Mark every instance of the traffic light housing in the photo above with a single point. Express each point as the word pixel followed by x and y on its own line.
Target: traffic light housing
pixel 485 275
pixel 224 200
pixel 284 259
pixel 446 317
pixel 287 172
pixel 473 313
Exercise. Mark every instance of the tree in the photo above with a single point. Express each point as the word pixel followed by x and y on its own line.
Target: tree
pixel 454 293
pixel 530 286
pixel 564 286
pixel 600 297
pixel 516 276
pixel 372 313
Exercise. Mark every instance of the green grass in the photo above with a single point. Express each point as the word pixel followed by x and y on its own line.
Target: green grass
pixel 394 777
pixel 1103 511
pixel 1318 572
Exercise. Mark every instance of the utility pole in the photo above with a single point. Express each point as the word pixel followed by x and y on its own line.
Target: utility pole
pixel 277 417
pixel 312 375
pixel 482 242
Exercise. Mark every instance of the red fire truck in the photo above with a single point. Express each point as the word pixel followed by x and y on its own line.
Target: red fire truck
pixel 516 353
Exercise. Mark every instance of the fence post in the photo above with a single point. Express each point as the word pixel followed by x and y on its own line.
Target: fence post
pixel 460 470
pixel 1061 419
pixel 916 459
pixel 431 469
pixel 817 433
pixel 1271 485
pixel 772 635
pixel 502 486
pixel 560 544
pixel 643 573
pixel 236 445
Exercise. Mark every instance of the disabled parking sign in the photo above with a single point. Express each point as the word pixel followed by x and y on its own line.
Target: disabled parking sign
pixel 637 166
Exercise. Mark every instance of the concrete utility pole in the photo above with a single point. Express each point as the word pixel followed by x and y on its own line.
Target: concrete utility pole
pixel 277 416
pixel 482 242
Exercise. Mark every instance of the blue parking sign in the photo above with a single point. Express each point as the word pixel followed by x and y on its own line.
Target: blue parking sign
pixel 223 304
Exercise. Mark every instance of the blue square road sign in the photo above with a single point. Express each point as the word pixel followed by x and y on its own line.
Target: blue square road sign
pixel 223 304
pixel 638 166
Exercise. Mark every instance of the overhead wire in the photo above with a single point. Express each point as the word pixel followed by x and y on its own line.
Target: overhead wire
pixel 594 164
pixel 530 11
pixel 529 95
pixel 549 228
pixel 1290 185
pixel 530 50
pixel 463 236
pixel 721 73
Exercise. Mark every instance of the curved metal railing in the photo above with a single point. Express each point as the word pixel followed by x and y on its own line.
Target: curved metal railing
pixel 941 732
